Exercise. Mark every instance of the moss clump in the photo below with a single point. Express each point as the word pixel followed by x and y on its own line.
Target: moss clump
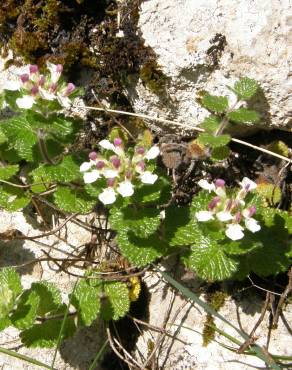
pixel 216 300
pixel 152 77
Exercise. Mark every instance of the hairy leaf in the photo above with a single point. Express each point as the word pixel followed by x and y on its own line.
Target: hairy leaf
pixel 220 153
pixel 118 296
pixel 8 171
pixel 218 104
pixel 50 297
pixel 213 141
pixel 10 288
pixel 70 200
pixel 25 313
pixel 158 193
pixel 3 138
pixel 12 198
pixel 244 115
pixel 245 88
pixel 210 124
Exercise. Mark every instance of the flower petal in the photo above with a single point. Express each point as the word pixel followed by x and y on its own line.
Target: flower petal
pixel 148 178
pixel 206 186
pixel 248 184
pixel 26 102
pixel 224 216
pixel 85 166
pixel 234 232
pixel 126 189
pixel 44 94
pixel 152 153
pixel 64 101
pixel 252 225
pixel 108 196
pixel 110 174
pixel 12 85
pixel 106 144
pixel 91 176
pixel 203 216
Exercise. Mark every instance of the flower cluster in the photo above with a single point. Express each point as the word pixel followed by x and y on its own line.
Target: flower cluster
pixel 231 212
pixel 121 170
pixel 35 86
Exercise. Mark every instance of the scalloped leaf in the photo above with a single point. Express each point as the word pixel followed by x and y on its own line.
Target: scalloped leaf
pixel 46 335
pixel 8 171
pixel 3 138
pixel 158 193
pixel 25 313
pixel 142 222
pixel 213 141
pixel 220 153
pixel 50 297
pixel 65 171
pixel 243 115
pixel 210 124
pixel 70 200
pixel 12 198
pixel 245 88
pixel 209 261
pixel 140 251
pixel 118 298
pixel 86 300
pixel 10 288
pixel 213 103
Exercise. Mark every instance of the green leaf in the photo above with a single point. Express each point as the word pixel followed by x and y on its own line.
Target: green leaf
pixel 208 259
pixel 140 251
pixel 12 198
pixel 3 138
pixel 70 200
pixel 200 202
pixel 142 222
pixel 50 297
pixel 218 104
pixel 245 88
pixel 220 153
pixel 210 124
pixel 243 115
pixel 118 296
pixel 158 193
pixel 86 299
pixel 25 313
pixel 4 322
pixel 65 171
pixel 20 135
pixel 213 141
pixel 8 171
pixel 10 288
pixel 46 335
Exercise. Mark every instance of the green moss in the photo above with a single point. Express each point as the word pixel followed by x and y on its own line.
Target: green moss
pixel 152 77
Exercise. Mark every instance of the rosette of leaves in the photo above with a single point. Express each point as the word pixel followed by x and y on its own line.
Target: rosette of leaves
pixel 222 114
pixel 207 251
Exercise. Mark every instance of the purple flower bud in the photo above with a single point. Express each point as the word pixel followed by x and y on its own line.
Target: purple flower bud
pixel 118 141
pixel 92 156
pixel 59 68
pixel 252 211
pixel 100 165
pixel 219 183
pixel 33 68
pixel 116 162
pixel 53 87
pixel 24 78
pixel 140 150
pixel 238 217
pixel 229 205
pixel 142 165
pixel 111 182
pixel 213 203
pixel 69 89
pixel 42 80
pixel 34 90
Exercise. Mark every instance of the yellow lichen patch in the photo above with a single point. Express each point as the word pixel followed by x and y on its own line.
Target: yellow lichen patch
pixel 135 288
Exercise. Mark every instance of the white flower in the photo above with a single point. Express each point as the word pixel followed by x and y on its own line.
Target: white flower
pixel 152 153
pixel 203 216
pixel 12 85
pixel 110 174
pixel 106 144
pixel 220 191
pixel 234 232
pixel 55 71
pixel 44 94
pixel 26 102
pixel 252 225
pixel 64 101
pixel 148 178
pixel 108 196
pixel 224 216
pixel 206 186
pixel 126 189
pixel 85 166
pixel 91 176
pixel 248 184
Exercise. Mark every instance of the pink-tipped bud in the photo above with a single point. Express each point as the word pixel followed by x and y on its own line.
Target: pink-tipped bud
pixel 100 165
pixel 34 90
pixel 41 80
pixel 92 156
pixel 69 89
pixel 238 217
pixel 252 210
pixel 33 68
pixel 111 182
pixel 140 150
pixel 128 174
pixel 24 78
pixel 116 162
pixel 118 141
pixel 213 203
pixel 53 87
pixel 219 183
pixel 229 205
pixel 142 165
pixel 59 68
